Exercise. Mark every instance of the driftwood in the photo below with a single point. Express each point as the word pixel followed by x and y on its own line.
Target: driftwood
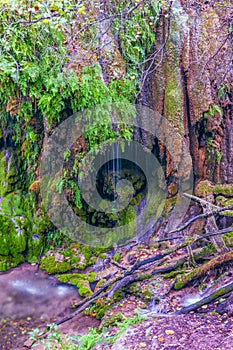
pixel 122 280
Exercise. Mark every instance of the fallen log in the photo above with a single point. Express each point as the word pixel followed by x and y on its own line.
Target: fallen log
pixel 202 270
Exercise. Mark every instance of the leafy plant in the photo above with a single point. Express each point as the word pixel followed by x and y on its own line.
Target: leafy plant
pixel 55 340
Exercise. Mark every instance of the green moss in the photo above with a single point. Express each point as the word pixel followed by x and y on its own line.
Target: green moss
pixel 8 173
pixel 102 256
pixel 81 281
pixel 224 201
pixel 11 241
pixel 147 295
pixel 16 260
pixel 204 188
pixel 119 295
pixel 34 248
pixel 86 250
pixel 135 289
pixel 179 285
pixel 228 239
pixel 144 276
pixel 52 266
pixel 112 320
pixel 117 257
pixel 85 292
pixel 205 251
pixel 224 189
pixel 171 274
pixel 5 263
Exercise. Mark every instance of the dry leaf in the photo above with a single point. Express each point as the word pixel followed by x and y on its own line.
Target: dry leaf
pixel 161 339
pixel 169 331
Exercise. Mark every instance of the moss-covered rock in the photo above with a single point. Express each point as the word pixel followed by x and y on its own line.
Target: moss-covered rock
pixel 8 171
pixel 204 189
pixel 21 229
pixel 53 266
pixel 223 189
pixel 81 281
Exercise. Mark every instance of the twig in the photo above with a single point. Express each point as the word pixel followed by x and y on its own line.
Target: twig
pixel 201 216
pixel 220 232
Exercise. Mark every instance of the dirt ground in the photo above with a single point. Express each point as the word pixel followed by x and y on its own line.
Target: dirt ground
pixel 189 332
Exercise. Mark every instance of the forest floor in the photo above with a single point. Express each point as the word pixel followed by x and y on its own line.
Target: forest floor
pixel 155 298
pixel 190 332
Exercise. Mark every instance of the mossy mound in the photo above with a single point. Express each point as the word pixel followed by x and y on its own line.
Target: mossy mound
pixel 53 266
pixel 81 281
pixel 204 189
pixel 224 189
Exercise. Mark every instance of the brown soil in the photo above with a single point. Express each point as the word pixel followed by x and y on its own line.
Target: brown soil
pixel 29 300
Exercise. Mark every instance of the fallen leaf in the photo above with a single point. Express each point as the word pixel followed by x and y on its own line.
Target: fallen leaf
pixel 142 345
pixel 161 339
pixel 169 331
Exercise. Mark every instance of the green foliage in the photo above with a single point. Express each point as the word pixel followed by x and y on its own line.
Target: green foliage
pixel 212 110
pixel 55 340
pixel 136 32
pixel 223 91
pixel 35 79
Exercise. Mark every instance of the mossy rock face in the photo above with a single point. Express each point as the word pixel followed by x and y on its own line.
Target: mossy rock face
pixel 12 241
pixel 21 227
pixel 8 171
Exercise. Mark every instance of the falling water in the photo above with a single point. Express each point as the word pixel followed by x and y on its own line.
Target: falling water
pixel 8 153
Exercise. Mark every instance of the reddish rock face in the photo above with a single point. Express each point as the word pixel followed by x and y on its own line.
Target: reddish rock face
pixel 191 86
